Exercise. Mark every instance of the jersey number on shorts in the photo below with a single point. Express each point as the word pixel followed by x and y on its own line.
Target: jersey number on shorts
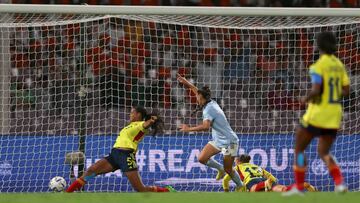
pixel 334 90
pixel 131 162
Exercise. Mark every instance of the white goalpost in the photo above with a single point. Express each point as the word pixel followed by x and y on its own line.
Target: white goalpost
pixel 70 75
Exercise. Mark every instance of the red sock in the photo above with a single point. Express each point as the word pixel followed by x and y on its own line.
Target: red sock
pixel 260 186
pixel 299 173
pixel 160 189
pixel 336 174
pixel 289 187
pixel 76 185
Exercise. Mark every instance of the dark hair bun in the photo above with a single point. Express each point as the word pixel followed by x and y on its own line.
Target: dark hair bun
pixel 205 92
pixel 158 126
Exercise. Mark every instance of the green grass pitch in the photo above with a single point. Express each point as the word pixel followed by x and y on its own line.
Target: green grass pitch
pixel 179 197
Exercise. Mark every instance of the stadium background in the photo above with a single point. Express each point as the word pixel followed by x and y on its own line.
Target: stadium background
pixel 45 83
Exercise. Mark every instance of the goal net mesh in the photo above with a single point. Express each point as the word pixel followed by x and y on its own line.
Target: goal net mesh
pixel 63 76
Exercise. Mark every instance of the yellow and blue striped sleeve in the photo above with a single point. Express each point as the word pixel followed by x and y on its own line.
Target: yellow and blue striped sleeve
pixel 316 75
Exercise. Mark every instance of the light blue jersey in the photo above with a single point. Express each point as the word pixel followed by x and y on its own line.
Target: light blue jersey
pixel 222 133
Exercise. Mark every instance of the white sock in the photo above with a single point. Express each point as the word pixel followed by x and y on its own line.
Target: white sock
pixel 214 164
pixel 236 178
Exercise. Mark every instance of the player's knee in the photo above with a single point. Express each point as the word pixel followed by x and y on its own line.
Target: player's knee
pixel 324 155
pixel 328 159
pixel 203 160
pixel 90 170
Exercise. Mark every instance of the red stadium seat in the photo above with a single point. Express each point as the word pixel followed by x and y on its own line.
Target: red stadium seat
pixel 183 71
pixel 164 72
pixel 20 60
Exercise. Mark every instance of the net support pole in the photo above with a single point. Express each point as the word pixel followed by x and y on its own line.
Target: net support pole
pixel 5 67
pixel 83 98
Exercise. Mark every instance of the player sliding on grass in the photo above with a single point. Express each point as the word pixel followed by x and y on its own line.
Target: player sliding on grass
pixel 224 138
pixel 122 155
pixel 255 178
pixel 330 83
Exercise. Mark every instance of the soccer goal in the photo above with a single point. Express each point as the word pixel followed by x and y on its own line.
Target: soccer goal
pixel 70 74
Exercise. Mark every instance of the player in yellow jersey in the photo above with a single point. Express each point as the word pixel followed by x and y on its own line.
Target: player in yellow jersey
pixel 255 178
pixel 122 155
pixel 330 83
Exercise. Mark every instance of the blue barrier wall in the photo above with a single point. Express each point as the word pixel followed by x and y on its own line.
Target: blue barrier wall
pixel 27 163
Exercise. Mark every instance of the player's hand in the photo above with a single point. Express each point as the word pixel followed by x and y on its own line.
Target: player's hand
pixel 184 128
pixel 181 79
pixel 154 118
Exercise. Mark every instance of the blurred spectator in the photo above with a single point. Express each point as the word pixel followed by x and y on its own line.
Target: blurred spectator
pixel 238 66
pixel 22 96
pixel 281 99
pixel 112 87
pixel 131 62
pixel 209 71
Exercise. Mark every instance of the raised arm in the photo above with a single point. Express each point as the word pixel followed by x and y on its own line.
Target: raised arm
pixel 150 122
pixel 205 126
pixel 187 84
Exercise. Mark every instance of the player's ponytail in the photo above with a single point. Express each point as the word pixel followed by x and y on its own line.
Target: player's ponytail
pixel 158 126
pixel 244 158
pixel 206 93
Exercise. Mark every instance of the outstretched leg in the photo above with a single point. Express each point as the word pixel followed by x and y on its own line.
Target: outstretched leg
pixel 100 167
pixel 136 182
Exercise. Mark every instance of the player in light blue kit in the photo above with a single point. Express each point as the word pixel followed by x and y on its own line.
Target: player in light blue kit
pixel 224 139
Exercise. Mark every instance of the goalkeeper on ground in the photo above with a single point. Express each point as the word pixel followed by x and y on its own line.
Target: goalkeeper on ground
pixel 255 178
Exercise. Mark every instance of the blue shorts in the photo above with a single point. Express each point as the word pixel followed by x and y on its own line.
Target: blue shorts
pixel 254 182
pixel 315 131
pixel 122 159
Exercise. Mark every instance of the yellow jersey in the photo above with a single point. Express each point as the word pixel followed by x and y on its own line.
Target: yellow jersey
pixel 326 110
pixel 248 172
pixel 130 136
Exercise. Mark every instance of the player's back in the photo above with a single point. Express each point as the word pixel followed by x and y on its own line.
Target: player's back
pixel 249 171
pixel 130 136
pixel 326 110
pixel 221 129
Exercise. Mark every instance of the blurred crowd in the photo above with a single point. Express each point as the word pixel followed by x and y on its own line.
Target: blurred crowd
pixel 116 63
pixel 126 62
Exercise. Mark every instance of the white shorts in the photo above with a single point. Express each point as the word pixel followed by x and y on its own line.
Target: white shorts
pixel 231 150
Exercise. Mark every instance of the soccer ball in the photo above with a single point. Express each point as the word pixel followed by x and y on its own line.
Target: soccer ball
pixel 57 184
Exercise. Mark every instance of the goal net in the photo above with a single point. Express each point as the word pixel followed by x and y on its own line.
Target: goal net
pixel 68 82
